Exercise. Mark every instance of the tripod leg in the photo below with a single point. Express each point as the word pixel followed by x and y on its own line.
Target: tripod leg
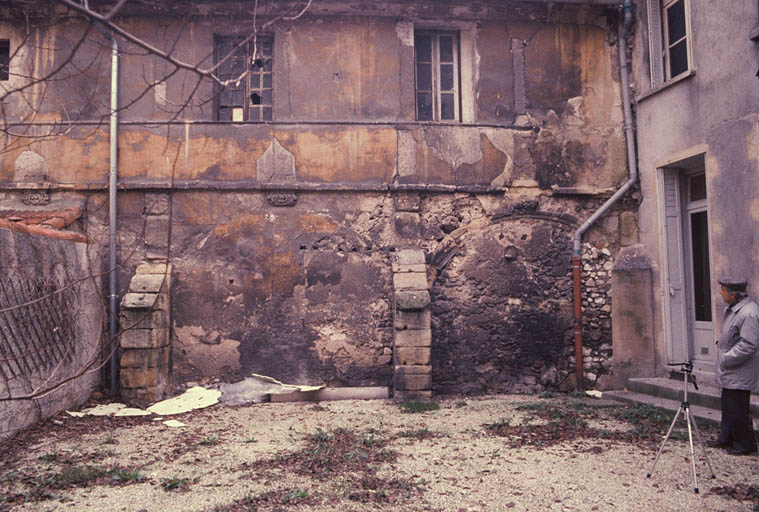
pixel 692 452
pixel 703 448
pixel 661 448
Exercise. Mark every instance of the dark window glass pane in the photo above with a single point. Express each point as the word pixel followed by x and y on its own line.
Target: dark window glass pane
pixel 255 114
pixel 235 98
pixel 423 47
pixel 255 99
pixel 267 80
pixel 424 106
pixel 446 106
pixel 424 77
pixel 446 77
pixel 701 282
pixel 678 59
pixel 676 22
pixel 225 114
pixel 697 187
pixel 224 97
pixel 266 113
pixel 446 49
pixel 266 97
pixel 5 58
pixel 268 63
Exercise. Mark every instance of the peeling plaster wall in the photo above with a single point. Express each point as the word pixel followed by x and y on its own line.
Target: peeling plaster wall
pixel 281 234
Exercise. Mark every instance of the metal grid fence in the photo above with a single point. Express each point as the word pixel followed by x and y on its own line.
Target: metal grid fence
pixel 37 327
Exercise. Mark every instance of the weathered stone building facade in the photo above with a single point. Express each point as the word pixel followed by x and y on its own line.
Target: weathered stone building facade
pixel 479 134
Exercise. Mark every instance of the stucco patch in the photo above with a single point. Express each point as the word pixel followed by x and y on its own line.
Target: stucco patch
pixel 206 351
pixel 334 345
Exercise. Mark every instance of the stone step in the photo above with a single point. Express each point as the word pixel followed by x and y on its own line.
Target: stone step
pixel 668 394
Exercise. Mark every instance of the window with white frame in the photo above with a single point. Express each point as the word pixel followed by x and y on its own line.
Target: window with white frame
pixel 436 55
pixel 670 39
pixel 251 97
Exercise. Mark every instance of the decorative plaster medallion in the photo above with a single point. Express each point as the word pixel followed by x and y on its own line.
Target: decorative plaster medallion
pixel 282 198
pixel 36 198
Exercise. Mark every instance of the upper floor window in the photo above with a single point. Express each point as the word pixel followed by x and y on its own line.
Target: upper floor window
pixel 250 98
pixel 670 39
pixel 437 76
pixel 5 59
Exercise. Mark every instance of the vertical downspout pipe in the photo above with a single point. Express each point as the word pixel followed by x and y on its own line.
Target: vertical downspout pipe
pixel 632 165
pixel 113 178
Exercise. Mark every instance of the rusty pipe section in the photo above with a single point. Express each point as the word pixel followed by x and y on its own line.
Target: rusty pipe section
pixel 632 165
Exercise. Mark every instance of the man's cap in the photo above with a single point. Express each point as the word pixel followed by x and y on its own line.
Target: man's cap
pixel 734 283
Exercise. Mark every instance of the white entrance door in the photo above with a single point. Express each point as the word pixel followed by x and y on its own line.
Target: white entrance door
pixel 688 294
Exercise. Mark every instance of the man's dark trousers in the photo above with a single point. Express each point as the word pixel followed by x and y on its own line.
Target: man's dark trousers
pixel 736 428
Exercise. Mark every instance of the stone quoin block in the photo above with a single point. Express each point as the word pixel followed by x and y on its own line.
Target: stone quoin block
pixel 419 267
pixel 412 355
pixel 139 300
pixel 142 319
pixel 410 281
pixel 413 338
pixel 411 300
pixel 156 204
pixel 153 268
pixel 418 319
pixel 406 381
pixel 145 358
pixel 408 202
pixel 139 378
pixel 144 338
pixel 147 283
pixel 409 257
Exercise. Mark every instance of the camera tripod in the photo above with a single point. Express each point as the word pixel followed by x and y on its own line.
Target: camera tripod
pixel 686 368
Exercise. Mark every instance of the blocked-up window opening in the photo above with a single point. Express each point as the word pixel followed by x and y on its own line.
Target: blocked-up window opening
pixel 437 76
pixel 5 59
pixel 251 98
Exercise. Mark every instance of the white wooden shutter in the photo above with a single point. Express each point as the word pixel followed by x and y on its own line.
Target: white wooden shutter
pixel 674 292
pixel 655 43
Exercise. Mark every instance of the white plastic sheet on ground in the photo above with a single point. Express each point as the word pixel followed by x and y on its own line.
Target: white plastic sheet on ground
pixel 258 388
pixel 194 398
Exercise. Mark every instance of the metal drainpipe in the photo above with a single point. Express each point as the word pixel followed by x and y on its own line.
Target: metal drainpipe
pixel 633 177
pixel 112 187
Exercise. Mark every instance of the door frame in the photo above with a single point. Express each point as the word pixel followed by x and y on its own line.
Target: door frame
pixel 677 316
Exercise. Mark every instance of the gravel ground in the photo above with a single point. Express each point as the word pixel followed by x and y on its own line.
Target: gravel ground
pixel 497 453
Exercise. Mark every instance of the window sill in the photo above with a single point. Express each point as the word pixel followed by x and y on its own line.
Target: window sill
pixel 666 85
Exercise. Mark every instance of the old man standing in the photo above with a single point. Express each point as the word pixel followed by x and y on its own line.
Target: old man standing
pixel 737 367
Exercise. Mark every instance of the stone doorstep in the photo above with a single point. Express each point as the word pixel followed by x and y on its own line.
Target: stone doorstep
pixel 413 338
pixel 668 394
pixel 410 281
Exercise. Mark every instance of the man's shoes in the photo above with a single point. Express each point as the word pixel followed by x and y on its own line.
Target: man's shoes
pixel 716 443
pixel 736 451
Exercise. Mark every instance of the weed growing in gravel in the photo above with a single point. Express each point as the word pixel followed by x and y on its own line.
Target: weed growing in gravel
pixel 420 434
pixel 175 484
pixel 211 440
pixel 250 440
pixel 415 406
pixel 740 492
